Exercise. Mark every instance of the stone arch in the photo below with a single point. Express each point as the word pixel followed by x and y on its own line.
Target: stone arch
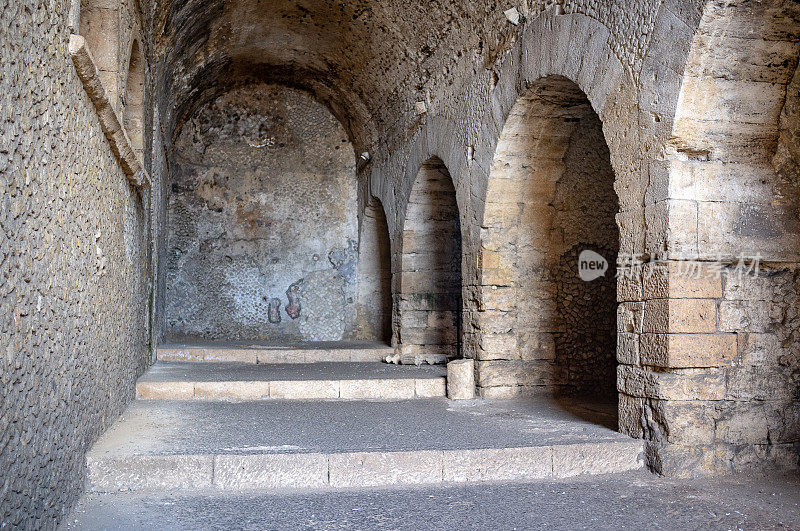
pixel 133 111
pixel 550 196
pixel 374 274
pixel 546 50
pixel 429 302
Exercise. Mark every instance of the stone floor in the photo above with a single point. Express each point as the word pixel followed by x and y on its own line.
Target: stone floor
pixel 175 426
pixel 165 445
pixel 632 500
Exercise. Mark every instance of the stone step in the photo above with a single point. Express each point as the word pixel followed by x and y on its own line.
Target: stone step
pixel 313 381
pixel 167 446
pixel 315 352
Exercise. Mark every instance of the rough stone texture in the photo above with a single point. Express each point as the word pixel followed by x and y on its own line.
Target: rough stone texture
pixel 698 105
pixel 374 311
pixel 113 127
pixel 429 303
pixel 75 270
pixel 691 97
pixel 461 380
pixel 263 238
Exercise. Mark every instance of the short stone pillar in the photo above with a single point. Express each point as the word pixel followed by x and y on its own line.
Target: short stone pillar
pixel 461 379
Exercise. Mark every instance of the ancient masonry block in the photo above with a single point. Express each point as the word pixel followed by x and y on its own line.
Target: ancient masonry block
pixel 461 379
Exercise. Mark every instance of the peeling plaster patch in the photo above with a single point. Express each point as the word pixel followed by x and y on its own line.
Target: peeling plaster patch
pixel 274 310
pixel 245 289
pixel 345 261
pixel 324 306
pixel 293 294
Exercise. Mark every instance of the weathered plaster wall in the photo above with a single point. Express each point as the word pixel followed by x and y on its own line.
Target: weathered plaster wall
pixel 429 303
pixel 74 271
pixel 263 241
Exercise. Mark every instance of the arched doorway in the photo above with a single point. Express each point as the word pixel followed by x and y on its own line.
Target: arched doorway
pixel 374 274
pixel 550 328
pixel 429 305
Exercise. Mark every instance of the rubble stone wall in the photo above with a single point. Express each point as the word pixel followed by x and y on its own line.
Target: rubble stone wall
pixel 74 271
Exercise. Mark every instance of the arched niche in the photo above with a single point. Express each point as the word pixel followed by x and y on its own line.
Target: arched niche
pixel 550 204
pixel 133 112
pixel 429 305
pixel 262 241
pixel 374 275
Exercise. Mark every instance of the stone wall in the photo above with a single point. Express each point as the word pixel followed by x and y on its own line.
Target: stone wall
pixel 429 303
pixel 585 205
pixel 692 388
pixel 550 197
pixel 74 271
pixel 719 391
pixel 374 275
pixel 263 241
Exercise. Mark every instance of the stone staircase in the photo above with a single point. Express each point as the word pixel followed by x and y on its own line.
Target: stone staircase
pixel 244 425
pixel 170 380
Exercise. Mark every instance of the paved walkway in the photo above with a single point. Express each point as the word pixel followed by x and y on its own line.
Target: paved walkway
pixel 633 500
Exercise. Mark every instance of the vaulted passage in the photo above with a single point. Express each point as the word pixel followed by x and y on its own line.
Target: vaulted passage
pixel 263 236
pixel 550 208
pixel 430 292
pixel 223 221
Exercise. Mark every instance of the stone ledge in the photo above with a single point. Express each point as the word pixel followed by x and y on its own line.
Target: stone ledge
pixel 362 389
pixel 109 120
pixel 249 472
pixel 270 355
